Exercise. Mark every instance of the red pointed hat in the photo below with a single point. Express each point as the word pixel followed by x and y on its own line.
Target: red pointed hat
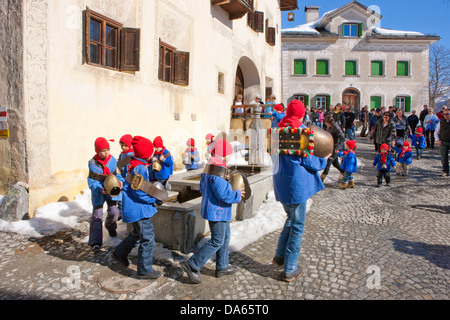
pixel 351 144
pixel 158 142
pixel 279 107
pixel 294 113
pixel 126 139
pixel 190 142
pixel 384 146
pixel 222 148
pixel 101 143
pixel 143 147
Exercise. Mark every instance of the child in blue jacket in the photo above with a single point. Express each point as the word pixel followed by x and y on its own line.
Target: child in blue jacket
pixel 418 141
pixel 384 161
pixel 349 164
pixel 163 156
pixel 138 208
pixel 217 199
pixel 100 166
pixel 191 156
pixel 277 115
pixel 295 180
pixel 127 150
pixel 404 158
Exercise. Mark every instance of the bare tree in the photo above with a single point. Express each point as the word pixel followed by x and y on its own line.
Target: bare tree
pixel 439 84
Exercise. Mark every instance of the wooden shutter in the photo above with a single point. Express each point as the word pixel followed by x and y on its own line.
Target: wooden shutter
pixel 129 49
pixel 258 21
pixel 360 29
pixel 402 68
pixel 407 104
pixel 322 67
pixel 271 36
pixel 87 28
pixel 377 68
pixel 350 67
pixel 181 70
pixel 299 66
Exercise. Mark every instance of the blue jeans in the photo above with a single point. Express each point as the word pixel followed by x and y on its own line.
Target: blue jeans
pixel 144 233
pixel 348 176
pixel 350 133
pixel 291 236
pixel 218 244
pixel 419 151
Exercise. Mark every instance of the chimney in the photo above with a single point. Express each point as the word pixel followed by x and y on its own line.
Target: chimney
pixel 312 13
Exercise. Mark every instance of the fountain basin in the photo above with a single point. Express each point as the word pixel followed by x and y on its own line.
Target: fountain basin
pixel 178 223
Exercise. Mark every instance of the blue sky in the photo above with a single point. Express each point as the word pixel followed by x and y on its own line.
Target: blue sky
pixel 429 17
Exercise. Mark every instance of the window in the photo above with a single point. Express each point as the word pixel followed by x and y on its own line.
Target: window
pixel 110 45
pixel 375 102
pixel 302 97
pixel 221 83
pixel 173 65
pixel 402 69
pixel 322 102
pixel 350 68
pixel 352 29
pixel 403 102
pixel 299 66
pixel 270 34
pixel 255 20
pixel 322 67
pixel 377 68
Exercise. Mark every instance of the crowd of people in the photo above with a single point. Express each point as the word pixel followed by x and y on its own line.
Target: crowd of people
pixel 296 178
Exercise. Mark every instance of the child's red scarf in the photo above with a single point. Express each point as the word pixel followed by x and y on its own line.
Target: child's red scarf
pixel 403 152
pixel 160 152
pixel 104 163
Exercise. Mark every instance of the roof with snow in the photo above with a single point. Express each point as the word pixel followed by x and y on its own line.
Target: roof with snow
pixel 317 28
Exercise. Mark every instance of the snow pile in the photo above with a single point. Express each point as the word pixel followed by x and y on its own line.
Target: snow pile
pixel 303 28
pixel 53 217
pixel 390 32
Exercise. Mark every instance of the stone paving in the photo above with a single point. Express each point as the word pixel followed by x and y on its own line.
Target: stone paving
pixel 364 243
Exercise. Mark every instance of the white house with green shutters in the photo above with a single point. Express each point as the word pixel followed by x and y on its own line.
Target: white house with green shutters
pixel 344 57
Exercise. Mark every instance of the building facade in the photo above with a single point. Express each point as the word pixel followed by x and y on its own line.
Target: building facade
pixel 344 57
pixel 74 70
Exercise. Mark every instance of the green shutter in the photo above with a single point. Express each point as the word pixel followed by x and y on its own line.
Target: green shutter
pixel 299 66
pixel 328 102
pixel 407 104
pixel 322 67
pixel 377 68
pixel 360 29
pixel 343 29
pixel 375 102
pixel 402 68
pixel 350 68
pixel 306 100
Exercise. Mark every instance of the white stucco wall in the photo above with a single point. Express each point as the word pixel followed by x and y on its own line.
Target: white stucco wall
pixel 81 102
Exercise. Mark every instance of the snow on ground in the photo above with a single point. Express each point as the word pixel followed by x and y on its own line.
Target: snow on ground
pixel 56 216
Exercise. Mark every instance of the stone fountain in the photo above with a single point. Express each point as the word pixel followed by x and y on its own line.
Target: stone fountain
pixel 178 223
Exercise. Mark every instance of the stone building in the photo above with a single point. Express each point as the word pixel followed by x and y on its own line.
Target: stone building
pixel 344 57
pixel 74 70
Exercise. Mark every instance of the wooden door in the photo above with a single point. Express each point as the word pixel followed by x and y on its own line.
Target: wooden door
pixel 239 82
pixel 350 97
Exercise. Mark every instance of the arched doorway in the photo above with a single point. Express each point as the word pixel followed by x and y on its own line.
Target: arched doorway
pixel 247 80
pixel 351 97
pixel 239 82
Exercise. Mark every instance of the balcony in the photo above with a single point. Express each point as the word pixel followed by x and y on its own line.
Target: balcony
pixel 287 5
pixel 236 8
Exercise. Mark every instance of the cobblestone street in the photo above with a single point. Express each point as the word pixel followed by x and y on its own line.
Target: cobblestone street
pixel 363 243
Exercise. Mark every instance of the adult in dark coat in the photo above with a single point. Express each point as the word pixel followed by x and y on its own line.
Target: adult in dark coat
pixel 339 139
pixel 383 132
pixel 413 121
pixel 422 115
